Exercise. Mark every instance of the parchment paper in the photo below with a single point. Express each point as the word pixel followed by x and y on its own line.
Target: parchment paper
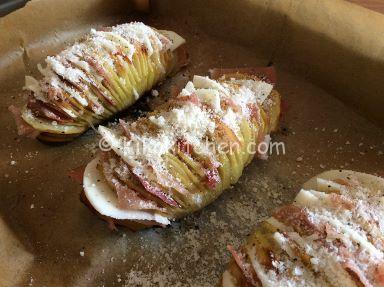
pixel 329 58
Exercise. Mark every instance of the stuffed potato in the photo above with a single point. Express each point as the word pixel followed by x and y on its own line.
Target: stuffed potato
pixel 96 78
pixel 181 157
pixel 332 235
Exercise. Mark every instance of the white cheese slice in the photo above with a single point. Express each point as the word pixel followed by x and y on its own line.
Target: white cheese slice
pixel 306 198
pixel 33 85
pixel 211 97
pixel 201 82
pixel 175 38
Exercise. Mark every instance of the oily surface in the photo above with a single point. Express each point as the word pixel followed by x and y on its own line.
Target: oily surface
pixel 56 241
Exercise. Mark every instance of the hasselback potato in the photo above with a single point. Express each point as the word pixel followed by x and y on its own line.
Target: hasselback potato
pixel 182 156
pixel 96 78
pixel 332 235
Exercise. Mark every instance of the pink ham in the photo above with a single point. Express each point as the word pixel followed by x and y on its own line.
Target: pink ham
pixel 184 146
pixel 129 199
pixel 356 273
pixel 379 275
pixel 212 177
pixel 125 126
pixel 22 127
pixel 212 173
pixel 248 272
pixel 297 218
pixel 193 98
pixel 341 201
pixel 230 103
pixel 156 191
pixel 47 111
pixel 167 180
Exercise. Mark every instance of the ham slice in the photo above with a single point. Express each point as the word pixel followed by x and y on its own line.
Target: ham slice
pixel 23 129
pixel 379 276
pixel 156 191
pixel 127 198
pixel 356 273
pixel 297 218
pixel 245 267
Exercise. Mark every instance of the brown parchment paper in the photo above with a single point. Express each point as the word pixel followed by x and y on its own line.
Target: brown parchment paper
pixel 329 60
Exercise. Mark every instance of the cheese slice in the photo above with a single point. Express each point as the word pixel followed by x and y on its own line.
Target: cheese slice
pixel 175 38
